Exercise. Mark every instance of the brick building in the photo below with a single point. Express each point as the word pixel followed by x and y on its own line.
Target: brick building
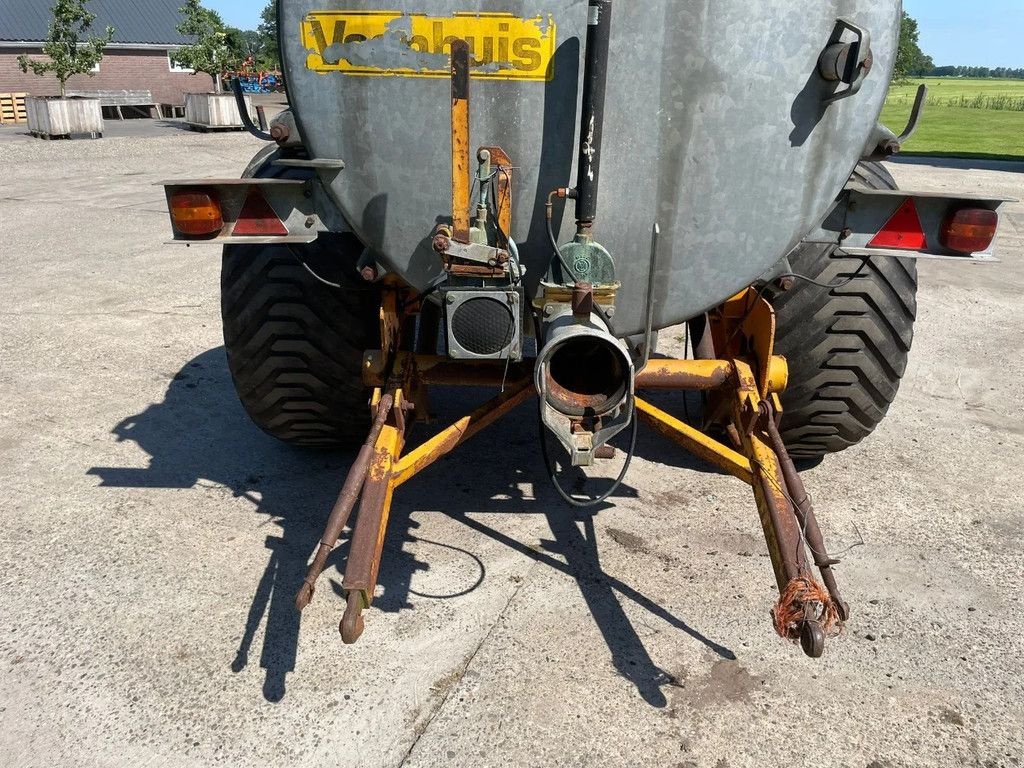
pixel 138 59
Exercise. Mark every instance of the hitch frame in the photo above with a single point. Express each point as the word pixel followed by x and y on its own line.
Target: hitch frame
pixel 743 386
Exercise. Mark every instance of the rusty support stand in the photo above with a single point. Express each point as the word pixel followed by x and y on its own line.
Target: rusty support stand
pixel 798 496
pixel 378 471
pixel 344 505
pixel 371 525
pixel 743 388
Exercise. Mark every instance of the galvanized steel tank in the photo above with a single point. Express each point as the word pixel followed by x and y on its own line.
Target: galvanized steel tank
pixel 716 127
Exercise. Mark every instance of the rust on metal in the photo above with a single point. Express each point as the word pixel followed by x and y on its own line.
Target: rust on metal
pixel 805 514
pixel 385 473
pixel 786 283
pixel 343 506
pixel 780 527
pixel 685 374
pixel 742 389
pixel 471 270
pixel 371 525
pixel 460 141
pixel 280 133
pixel 572 401
pixel 604 295
pixel 583 300
pixel 745 327
pixel 781 530
pixel 390 319
pixel 441 243
pixel 352 623
pixel 434 370
pixel 806 611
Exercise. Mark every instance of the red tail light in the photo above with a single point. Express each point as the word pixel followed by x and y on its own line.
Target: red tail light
pixel 258 218
pixel 196 214
pixel 903 231
pixel 969 230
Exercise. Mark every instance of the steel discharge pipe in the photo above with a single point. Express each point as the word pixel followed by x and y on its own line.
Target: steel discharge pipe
pixel 586 381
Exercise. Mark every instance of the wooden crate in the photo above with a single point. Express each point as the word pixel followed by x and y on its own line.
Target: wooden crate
pixel 12 108
pixel 206 111
pixel 50 117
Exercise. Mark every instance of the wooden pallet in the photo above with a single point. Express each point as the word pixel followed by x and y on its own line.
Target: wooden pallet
pixel 12 108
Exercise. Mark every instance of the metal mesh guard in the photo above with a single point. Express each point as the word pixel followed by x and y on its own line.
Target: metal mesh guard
pixel 483 326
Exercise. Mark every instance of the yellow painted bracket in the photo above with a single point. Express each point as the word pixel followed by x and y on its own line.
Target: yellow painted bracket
pixel 447 441
pixel 745 326
pixel 696 442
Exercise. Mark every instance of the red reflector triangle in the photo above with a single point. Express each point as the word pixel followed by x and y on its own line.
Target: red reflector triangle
pixel 258 218
pixel 903 231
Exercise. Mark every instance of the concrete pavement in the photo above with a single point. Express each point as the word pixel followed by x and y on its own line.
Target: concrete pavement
pixel 153 540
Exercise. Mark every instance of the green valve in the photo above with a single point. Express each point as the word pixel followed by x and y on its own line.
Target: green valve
pixel 590 262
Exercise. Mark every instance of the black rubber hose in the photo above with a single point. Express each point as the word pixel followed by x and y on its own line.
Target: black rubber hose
pixel 595 79
pixel 250 126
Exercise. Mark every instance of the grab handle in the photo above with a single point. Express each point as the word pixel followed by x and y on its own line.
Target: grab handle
pixel 848 63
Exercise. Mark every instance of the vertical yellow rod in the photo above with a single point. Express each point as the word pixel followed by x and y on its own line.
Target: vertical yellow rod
pixel 460 141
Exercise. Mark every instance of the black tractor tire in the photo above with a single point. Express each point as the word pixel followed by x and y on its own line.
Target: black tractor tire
pixel 295 344
pixel 847 347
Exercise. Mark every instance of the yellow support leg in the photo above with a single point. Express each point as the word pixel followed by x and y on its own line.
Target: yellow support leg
pixel 695 441
pixel 371 525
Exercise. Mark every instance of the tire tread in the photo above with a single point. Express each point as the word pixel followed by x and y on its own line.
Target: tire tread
pixel 295 346
pixel 847 348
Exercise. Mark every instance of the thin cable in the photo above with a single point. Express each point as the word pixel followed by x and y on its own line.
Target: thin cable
pixel 548 464
pixel 686 356
pixel 292 251
pixel 553 474
pixel 513 248
pixel 479 563
pixel 549 216
pixel 434 285
pixel 513 251
pixel 865 260
pixel 515 270
pixel 803 528
pixel 318 278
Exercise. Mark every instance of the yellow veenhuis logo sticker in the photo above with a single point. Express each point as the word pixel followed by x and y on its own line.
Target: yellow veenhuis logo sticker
pixel 502 46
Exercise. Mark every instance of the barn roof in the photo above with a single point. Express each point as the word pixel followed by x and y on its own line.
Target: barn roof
pixel 136 22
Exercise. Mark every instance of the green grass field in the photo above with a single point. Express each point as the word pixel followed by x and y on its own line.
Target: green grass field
pixel 962 118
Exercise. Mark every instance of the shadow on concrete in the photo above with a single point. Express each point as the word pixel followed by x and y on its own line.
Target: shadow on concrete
pixel 199 433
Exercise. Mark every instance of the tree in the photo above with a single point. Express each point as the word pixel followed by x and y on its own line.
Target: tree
pixel 251 44
pixel 247 42
pixel 214 51
pixel 268 31
pixel 70 49
pixel 924 66
pixel 910 58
